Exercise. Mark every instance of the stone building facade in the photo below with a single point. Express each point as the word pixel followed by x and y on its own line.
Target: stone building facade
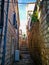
pixel 8 26
pixel 43 16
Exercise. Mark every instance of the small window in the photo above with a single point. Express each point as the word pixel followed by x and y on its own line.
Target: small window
pixel 14 18
pixel 13 41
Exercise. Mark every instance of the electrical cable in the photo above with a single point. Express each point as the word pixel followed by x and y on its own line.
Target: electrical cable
pixel 20 2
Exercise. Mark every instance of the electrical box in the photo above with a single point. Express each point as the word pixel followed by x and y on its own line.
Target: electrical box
pixel 17 55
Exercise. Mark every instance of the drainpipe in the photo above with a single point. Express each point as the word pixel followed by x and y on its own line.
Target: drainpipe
pixel 5 34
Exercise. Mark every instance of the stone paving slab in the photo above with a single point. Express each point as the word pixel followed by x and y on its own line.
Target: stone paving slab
pixel 23 63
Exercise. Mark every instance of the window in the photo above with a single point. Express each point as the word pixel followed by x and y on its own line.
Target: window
pixel 13 45
pixel 14 20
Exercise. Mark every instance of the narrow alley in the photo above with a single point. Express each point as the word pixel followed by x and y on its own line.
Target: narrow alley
pixel 24 32
pixel 25 58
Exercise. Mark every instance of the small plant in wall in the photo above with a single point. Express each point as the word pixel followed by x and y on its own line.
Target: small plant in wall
pixel 34 17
